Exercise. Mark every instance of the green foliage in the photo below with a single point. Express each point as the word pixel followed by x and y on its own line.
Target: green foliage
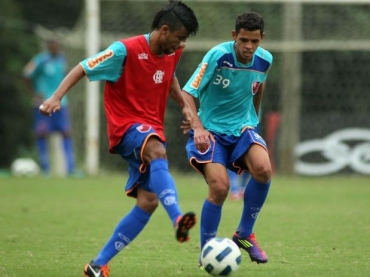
pixel 16 46
pixel 308 227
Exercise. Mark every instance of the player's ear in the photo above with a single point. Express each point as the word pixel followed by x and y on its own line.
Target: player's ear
pixel 234 34
pixel 262 35
pixel 165 29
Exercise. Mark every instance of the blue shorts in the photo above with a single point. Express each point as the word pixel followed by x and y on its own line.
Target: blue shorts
pixel 57 122
pixel 226 150
pixel 131 149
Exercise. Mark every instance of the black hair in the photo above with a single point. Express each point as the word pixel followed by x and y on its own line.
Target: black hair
pixel 250 21
pixel 175 15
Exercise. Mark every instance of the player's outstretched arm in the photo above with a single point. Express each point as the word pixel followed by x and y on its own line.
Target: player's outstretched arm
pixel 196 121
pixel 53 103
pixel 202 137
pixel 176 94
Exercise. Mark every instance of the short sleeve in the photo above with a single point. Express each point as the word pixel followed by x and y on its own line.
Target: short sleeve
pixel 106 65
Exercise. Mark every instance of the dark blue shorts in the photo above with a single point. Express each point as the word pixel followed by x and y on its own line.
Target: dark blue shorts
pixel 57 122
pixel 226 150
pixel 130 148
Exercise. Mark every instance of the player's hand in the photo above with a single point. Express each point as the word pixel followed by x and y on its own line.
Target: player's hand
pixel 185 126
pixel 187 121
pixel 202 139
pixel 49 106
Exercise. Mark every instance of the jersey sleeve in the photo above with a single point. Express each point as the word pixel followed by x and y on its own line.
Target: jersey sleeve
pixel 267 56
pixel 106 65
pixel 204 73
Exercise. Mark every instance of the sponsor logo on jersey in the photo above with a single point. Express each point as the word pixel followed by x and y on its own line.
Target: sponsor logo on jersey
pixel 99 59
pixel 196 82
pixel 158 77
pixel 228 63
pixel 143 128
pixel 143 56
pixel 255 86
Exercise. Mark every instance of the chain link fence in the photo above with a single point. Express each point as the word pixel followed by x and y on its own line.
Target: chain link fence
pixel 318 84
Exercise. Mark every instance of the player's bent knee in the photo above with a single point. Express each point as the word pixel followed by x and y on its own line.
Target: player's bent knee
pixel 148 205
pixel 146 200
pixel 218 191
pixel 154 149
pixel 263 174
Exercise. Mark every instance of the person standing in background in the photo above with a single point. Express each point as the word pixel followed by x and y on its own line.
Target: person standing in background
pixel 43 74
pixel 238 183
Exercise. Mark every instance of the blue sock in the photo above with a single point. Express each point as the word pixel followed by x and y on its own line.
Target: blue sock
pixel 69 154
pixel 126 231
pixel 210 219
pixel 254 197
pixel 42 147
pixel 162 183
pixel 245 179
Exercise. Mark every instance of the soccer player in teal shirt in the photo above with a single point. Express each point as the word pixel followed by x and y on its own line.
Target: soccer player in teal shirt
pixel 229 83
pixel 43 74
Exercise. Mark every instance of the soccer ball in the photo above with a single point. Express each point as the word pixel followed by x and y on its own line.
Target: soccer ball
pixel 25 167
pixel 220 257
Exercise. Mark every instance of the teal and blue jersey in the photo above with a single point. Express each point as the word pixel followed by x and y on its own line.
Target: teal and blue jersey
pixel 225 88
pixel 46 72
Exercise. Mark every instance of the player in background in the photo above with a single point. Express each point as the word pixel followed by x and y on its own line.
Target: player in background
pixel 42 75
pixel 139 74
pixel 229 83
pixel 238 183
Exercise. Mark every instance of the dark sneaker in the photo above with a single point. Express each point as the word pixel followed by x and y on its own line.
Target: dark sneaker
pixel 183 225
pixel 93 270
pixel 250 245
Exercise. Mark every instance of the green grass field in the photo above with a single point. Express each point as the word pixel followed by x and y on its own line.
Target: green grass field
pixel 308 227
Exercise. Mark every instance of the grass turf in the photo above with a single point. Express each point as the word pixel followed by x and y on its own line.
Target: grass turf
pixel 308 227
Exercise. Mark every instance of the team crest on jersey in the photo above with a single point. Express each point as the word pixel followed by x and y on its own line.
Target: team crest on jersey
pixel 196 82
pixel 143 56
pixel 158 77
pixel 143 128
pixel 208 146
pixel 255 87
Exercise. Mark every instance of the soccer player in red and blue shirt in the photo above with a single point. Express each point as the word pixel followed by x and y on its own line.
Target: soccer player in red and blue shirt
pixel 139 74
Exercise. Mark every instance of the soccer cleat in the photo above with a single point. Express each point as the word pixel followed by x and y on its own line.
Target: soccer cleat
pixel 93 270
pixel 183 224
pixel 200 266
pixel 250 245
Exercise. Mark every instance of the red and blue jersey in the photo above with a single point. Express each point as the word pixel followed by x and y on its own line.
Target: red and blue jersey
pixel 137 84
